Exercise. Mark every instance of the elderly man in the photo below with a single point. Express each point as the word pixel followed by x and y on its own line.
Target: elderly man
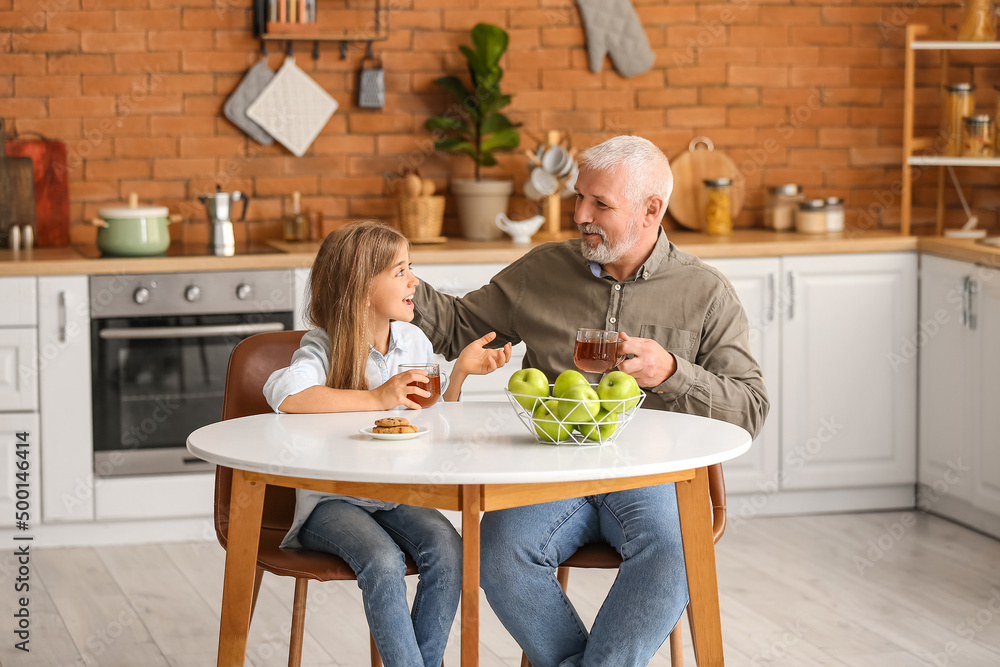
pixel 685 335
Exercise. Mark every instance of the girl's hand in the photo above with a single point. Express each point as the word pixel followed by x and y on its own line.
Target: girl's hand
pixel 475 359
pixel 394 392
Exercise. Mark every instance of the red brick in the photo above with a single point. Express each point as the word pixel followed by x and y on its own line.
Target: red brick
pixel 315 165
pixel 119 126
pixel 750 75
pixel 151 104
pixel 384 122
pixel 876 76
pixel 21 63
pixel 134 63
pixel 45 42
pixel 179 40
pixel 210 147
pixel 847 137
pixel 56 86
pixel 214 61
pixel 109 84
pixel 851 15
pixel 817 157
pixel 347 144
pixel 148 19
pixel 537 100
pixel 696 117
pixel 76 107
pixel 352 185
pixel 307 185
pixel 465 19
pixel 155 191
pixel 723 55
pixel 667 14
pixel 113 42
pixel 114 169
pixel 855 96
pixel 129 147
pixel 694 76
pixel 820 35
pixel 98 21
pixel 818 76
pixel 26 21
pixel 663 98
pixel 224 17
pixel 865 156
pixel 23 106
pixel 790 55
pixel 562 37
pixel 417 19
pixel 728 95
pixel 66 129
pixel 758 117
pixel 96 191
pixel 181 167
pixel 185 83
pixel 180 126
pixel 570 120
pixel 758 36
pixel 841 56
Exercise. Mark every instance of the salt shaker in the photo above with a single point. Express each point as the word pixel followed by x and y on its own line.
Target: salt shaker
pixel 28 237
pixel 14 238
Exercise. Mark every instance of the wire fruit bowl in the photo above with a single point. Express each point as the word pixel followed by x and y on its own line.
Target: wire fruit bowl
pixel 548 428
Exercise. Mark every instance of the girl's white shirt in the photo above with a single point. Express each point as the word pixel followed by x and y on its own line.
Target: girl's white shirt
pixel 309 367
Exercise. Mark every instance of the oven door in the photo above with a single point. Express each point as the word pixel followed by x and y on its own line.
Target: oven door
pixel 157 379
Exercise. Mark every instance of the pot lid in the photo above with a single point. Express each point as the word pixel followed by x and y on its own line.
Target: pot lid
pixel 129 213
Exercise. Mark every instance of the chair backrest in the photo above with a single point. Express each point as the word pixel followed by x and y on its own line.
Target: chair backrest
pixel 251 363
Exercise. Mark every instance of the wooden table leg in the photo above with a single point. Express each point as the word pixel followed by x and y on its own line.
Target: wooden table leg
pixel 695 509
pixel 470 574
pixel 245 509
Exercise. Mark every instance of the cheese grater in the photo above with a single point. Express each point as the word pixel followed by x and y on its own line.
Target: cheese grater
pixel 371 83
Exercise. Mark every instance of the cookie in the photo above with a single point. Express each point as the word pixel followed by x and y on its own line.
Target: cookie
pixel 392 421
pixel 405 428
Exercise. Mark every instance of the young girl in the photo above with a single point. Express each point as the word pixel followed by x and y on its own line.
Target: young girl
pixel 362 291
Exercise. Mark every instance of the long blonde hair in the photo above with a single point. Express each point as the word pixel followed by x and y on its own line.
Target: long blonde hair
pixel 341 282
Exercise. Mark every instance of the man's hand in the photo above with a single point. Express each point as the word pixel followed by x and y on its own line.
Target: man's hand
pixel 650 364
pixel 476 359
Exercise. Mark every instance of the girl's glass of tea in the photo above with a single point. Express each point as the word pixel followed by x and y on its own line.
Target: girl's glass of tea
pixel 596 350
pixel 433 384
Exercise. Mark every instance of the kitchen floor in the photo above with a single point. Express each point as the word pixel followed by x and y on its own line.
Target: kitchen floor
pixel 894 589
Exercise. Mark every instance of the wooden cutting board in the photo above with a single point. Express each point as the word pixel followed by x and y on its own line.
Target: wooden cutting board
pixel 691 168
pixel 51 180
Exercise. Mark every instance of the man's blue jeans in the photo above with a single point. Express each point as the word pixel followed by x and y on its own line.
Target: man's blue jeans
pixel 523 546
pixel 373 544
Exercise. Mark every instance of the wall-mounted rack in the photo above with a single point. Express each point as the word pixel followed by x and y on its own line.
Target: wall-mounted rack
pixel 271 24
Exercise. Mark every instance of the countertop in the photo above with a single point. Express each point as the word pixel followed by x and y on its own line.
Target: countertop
pixel 85 260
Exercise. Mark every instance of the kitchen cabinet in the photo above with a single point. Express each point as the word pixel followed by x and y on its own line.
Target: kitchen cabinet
pixel 848 392
pixel 959 462
pixel 29 483
pixel 756 283
pixel 67 453
pixel 18 321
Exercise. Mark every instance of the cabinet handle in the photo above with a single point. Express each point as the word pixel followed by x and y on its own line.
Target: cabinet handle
pixel 973 290
pixel 791 295
pixel 964 318
pixel 773 289
pixel 61 301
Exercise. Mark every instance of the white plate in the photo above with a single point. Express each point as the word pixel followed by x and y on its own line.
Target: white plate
pixel 367 430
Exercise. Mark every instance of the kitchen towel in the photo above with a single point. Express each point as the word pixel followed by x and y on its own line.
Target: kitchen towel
pixel 292 108
pixel 249 89
pixel 614 28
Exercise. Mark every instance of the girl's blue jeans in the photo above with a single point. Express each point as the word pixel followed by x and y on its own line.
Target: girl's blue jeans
pixel 373 545
pixel 523 546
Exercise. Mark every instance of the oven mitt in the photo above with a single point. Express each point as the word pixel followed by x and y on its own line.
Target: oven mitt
pixel 613 28
pixel 236 106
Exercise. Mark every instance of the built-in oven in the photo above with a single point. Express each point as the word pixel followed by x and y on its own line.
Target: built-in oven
pixel 161 345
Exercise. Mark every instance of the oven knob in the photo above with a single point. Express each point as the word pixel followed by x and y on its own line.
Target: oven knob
pixel 192 293
pixel 243 291
pixel 140 295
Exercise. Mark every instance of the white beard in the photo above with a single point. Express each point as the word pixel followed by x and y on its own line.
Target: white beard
pixel 607 252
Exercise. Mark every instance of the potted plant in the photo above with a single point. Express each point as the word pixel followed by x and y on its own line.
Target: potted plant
pixel 475 126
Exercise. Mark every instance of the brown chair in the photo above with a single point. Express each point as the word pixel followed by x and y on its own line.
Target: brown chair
pixel 250 364
pixel 603 555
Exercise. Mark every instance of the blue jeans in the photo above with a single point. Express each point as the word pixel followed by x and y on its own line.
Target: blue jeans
pixel 523 546
pixel 373 544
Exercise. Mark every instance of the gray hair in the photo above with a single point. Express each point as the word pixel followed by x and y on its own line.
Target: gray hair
pixel 647 171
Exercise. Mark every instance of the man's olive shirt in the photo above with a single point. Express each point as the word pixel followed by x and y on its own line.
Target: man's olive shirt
pixel 675 299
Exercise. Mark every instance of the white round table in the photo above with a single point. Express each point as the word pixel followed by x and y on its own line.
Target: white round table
pixel 476 456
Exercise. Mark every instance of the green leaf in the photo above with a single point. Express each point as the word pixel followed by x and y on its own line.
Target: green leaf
pixel 491 41
pixel 446 123
pixel 486 159
pixel 496 123
pixel 454 86
pixel 493 103
pixel 503 140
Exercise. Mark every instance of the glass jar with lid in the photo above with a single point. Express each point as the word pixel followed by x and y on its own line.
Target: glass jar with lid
pixel 718 206
pixel 779 210
pixel 834 214
pixel 811 216
pixel 959 102
pixel 978 136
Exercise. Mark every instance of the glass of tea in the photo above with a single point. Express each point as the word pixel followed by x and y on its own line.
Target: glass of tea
pixel 596 350
pixel 433 384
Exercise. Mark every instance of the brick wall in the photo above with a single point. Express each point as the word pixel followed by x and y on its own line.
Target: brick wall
pixel 807 92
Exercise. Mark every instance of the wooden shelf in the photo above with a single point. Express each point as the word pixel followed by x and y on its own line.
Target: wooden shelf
pixel 948 161
pixel 955 45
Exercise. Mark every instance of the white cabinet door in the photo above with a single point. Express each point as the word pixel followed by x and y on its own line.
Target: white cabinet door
pixel 67 447
pixel 301 278
pixel 946 390
pixel 848 405
pixel 19 474
pixel 755 281
pixel 17 302
pixel 984 324
pixel 18 373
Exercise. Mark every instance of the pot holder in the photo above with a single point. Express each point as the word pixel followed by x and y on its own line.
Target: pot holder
pixel 236 106
pixel 292 108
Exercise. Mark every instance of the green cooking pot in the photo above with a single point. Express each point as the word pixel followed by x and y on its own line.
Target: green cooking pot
pixel 133 232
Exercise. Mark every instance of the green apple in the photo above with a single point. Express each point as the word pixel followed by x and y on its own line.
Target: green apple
pixel 532 383
pixel 582 404
pixel 546 424
pixel 605 423
pixel 615 388
pixel 566 380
